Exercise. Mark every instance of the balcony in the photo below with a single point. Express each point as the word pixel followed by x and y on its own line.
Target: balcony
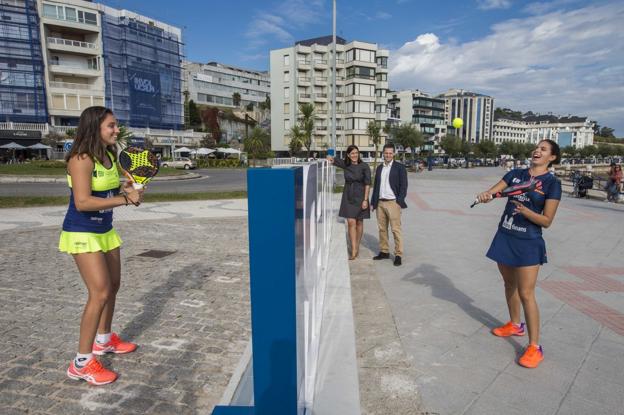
pixel 84 21
pixel 320 97
pixel 320 62
pixel 303 64
pixel 63 68
pixel 304 80
pixel 70 85
pixel 304 97
pixel 76 46
pixel 320 80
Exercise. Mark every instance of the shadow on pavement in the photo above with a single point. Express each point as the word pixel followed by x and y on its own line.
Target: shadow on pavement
pixel 443 288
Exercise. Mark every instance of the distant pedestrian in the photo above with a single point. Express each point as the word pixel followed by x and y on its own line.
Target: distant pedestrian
pixel 88 235
pixel 518 246
pixel 354 205
pixel 389 193
pixel 614 183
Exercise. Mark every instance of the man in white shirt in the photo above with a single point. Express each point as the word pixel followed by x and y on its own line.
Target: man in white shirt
pixel 388 199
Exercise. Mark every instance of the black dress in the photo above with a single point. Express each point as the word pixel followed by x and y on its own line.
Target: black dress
pixel 357 177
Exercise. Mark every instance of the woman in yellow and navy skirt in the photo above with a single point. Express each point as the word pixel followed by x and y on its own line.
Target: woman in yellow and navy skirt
pixel 88 235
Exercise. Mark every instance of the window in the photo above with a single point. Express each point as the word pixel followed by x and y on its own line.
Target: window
pixel 382 61
pixel 362 55
pixel 286 108
pixel 286 76
pixel 380 92
pixel 286 92
pixel 70 14
pixel 357 123
pixel 361 89
pixel 361 106
pixel 360 72
pixel 286 60
pixel 382 76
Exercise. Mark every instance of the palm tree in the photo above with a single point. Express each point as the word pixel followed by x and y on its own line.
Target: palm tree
pixel 124 136
pixel 255 143
pixel 374 132
pixel 307 124
pixel 296 140
pixel 236 98
pixel 408 136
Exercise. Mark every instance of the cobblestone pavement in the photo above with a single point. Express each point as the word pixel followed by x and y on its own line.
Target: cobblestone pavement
pixel 188 311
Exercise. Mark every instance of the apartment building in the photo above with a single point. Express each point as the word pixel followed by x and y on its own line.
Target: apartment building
pixel 302 74
pixel 566 131
pixel 422 110
pixel 476 110
pixel 71 34
pixel 22 95
pixel 214 83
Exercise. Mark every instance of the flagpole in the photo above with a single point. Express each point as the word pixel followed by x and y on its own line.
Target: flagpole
pixel 333 130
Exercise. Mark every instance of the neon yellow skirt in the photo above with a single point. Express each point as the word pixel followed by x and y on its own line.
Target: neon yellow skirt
pixel 82 242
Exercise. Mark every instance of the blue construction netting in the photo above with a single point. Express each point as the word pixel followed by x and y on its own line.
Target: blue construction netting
pixel 22 85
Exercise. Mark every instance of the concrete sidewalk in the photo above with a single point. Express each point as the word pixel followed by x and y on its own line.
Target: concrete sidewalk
pixel 448 295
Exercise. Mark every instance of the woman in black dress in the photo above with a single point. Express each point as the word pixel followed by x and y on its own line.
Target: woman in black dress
pixel 354 205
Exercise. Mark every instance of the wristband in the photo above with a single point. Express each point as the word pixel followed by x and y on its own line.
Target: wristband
pixel 126 198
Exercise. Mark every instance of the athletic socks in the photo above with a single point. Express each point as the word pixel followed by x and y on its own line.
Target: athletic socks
pixel 82 359
pixel 103 338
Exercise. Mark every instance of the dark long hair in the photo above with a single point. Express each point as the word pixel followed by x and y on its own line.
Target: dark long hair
pixel 347 159
pixel 554 150
pixel 88 139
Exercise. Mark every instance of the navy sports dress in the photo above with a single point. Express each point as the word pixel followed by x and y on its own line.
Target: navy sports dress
pixel 518 241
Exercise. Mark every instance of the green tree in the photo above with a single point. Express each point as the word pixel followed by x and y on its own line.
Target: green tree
pixel 374 132
pixel 588 151
pixel 505 148
pixel 296 140
pixel 256 143
pixel 486 148
pixel 408 136
pixel 266 105
pixel 236 98
pixel 451 144
pixel 194 118
pixel 568 151
pixel 607 132
pixel 124 136
pixel 307 124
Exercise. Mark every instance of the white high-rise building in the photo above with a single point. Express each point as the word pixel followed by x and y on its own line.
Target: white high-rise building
pixel 214 83
pixel 302 74
pixel 476 110
pixel 566 131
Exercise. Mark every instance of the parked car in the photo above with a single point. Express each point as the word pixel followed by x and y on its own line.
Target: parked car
pixel 180 163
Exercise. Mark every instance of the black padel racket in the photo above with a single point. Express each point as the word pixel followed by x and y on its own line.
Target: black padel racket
pixel 516 189
pixel 139 165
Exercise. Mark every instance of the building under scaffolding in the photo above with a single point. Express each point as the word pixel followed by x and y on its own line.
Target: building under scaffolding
pixel 22 90
pixel 143 70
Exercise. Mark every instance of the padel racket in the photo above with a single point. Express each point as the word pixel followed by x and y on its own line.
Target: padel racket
pixel 514 190
pixel 139 165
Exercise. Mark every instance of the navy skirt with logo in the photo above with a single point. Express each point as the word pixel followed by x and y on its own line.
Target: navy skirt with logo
pixel 516 252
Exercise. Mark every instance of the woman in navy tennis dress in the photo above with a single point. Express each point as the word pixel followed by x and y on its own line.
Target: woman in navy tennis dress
pixel 518 247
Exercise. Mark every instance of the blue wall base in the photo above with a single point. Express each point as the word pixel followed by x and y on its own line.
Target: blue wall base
pixel 233 410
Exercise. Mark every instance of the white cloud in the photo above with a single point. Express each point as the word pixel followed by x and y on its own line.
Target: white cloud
pixel 565 62
pixel 382 16
pixel 493 4
pixel 278 25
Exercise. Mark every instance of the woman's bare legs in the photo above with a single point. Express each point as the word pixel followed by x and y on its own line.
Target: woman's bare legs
pixel 113 261
pixel 511 292
pixel 527 278
pixel 95 273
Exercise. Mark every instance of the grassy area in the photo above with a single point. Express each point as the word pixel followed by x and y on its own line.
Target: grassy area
pixel 31 201
pixel 57 169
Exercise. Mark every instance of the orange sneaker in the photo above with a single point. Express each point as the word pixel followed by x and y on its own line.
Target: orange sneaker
pixel 115 345
pixel 509 329
pixel 533 355
pixel 93 372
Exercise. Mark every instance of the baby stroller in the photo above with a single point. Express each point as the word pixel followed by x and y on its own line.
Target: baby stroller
pixel 582 183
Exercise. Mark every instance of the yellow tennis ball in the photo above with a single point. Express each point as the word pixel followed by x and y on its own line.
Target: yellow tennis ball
pixel 458 123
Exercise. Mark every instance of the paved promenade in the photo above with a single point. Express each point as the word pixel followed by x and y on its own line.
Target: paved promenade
pixel 447 295
pixel 188 311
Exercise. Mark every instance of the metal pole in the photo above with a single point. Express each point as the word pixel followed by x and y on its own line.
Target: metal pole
pixel 333 131
pixel 110 79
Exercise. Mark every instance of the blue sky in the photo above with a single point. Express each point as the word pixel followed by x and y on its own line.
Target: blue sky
pixel 560 56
